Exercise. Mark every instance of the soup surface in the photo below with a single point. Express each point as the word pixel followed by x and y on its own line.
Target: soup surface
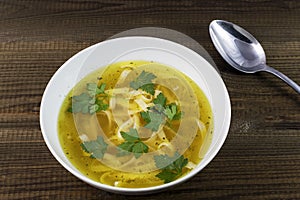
pixel 135 124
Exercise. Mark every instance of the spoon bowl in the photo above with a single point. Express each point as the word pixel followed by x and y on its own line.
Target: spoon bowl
pixel 241 50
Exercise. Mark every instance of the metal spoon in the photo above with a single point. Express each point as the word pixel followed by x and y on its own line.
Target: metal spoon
pixel 241 50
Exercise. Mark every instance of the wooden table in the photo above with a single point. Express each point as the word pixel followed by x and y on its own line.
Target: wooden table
pixel 261 156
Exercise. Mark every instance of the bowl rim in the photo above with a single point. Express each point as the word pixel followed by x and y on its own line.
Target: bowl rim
pixel 215 149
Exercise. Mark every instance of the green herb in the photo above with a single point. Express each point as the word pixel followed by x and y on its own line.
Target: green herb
pixel 154 119
pixel 93 89
pixel 178 116
pixel 171 167
pixel 171 111
pixel 101 105
pixel 148 88
pixel 133 144
pixel 160 100
pixel 96 147
pixel 158 113
pixel 82 103
pixel 144 82
pixel 90 102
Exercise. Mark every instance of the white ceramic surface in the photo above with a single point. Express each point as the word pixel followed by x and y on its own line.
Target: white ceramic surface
pixel 134 48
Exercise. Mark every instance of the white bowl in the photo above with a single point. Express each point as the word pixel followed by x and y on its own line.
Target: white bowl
pixel 134 48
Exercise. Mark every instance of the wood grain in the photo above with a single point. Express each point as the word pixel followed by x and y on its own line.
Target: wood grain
pixel 261 156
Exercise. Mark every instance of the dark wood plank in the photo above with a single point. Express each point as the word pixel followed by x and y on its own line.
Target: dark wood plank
pixel 261 156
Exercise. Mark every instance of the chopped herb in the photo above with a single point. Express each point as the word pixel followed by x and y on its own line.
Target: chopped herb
pixel 160 100
pixel 167 176
pixel 145 116
pixel 131 136
pixel 144 82
pixel 148 88
pixel 94 108
pixel 93 89
pixel 158 108
pixel 102 105
pixel 160 112
pixel 154 119
pixel 178 116
pixel 81 103
pixel 90 102
pixel 171 112
pixel 96 147
pixel 133 144
pixel 139 148
pixel 171 167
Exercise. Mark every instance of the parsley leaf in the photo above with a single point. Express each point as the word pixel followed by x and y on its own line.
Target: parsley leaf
pixel 144 82
pixel 131 136
pixel 132 144
pixel 96 147
pixel 145 116
pixel 178 115
pixel 167 176
pixel 171 167
pixel 148 88
pixel 94 108
pixel 154 119
pixel 93 89
pixel 158 113
pixel 160 100
pixel 81 103
pixel 101 104
pixel 171 111
pixel 89 102
pixel 125 148
pixel 139 148
pixel 162 161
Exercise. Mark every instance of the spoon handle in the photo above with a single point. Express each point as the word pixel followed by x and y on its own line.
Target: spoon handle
pixel 283 77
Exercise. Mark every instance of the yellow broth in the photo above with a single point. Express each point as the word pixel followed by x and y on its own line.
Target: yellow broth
pixel 93 168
